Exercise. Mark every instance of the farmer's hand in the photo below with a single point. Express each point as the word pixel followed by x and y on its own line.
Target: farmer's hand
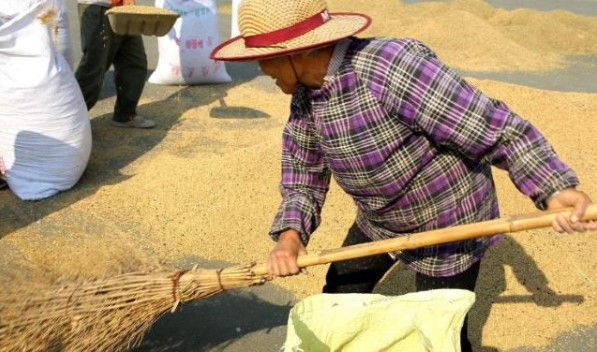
pixel 570 197
pixel 282 259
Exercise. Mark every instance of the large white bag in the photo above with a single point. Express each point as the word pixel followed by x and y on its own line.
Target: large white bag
pixel 45 133
pixel 428 321
pixel 58 22
pixel 234 30
pixel 184 51
pixel 61 32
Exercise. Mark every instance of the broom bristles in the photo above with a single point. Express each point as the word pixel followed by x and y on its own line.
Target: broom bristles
pixel 108 314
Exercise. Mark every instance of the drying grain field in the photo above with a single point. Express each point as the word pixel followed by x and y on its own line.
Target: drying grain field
pixel 201 188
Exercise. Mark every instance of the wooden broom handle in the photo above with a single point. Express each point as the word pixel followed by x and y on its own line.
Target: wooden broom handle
pixel 513 223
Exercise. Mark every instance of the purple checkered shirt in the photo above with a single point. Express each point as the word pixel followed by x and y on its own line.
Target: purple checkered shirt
pixel 412 143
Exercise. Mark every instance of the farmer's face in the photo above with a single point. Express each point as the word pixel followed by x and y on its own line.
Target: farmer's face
pixel 280 69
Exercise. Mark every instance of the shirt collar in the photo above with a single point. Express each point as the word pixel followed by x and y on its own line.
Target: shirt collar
pixel 337 57
pixel 336 60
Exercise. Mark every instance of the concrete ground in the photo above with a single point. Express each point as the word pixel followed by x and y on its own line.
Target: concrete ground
pixel 254 320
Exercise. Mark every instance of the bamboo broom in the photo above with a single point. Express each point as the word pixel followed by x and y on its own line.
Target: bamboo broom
pixel 112 314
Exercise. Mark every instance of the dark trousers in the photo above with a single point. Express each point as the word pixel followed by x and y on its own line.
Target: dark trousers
pixel 103 48
pixel 361 275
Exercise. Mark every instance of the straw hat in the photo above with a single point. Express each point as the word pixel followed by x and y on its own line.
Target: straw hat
pixel 276 28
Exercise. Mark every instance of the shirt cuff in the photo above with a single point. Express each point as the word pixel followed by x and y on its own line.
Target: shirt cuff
pixel 275 233
pixel 541 203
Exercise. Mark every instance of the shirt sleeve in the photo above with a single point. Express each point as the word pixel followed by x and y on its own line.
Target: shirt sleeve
pixel 436 101
pixel 305 180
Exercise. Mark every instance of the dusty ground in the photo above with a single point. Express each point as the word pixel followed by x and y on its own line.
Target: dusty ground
pixel 202 187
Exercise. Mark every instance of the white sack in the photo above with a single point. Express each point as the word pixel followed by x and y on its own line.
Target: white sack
pixel 184 51
pixel 61 32
pixel 59 22
pixel 45 133
pixel 234 31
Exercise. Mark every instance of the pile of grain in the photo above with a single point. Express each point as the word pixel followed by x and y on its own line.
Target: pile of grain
pixel 203 187
pixel 472 35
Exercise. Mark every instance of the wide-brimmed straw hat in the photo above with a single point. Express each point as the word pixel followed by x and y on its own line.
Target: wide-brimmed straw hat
pixel 276 28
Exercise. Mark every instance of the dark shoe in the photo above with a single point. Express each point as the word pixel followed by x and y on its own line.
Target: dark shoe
pixel 136 122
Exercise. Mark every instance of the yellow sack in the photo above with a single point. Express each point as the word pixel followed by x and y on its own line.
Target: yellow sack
pixel 423 321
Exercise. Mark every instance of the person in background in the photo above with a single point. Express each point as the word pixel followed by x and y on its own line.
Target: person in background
pixel 404 135
pixel 103 48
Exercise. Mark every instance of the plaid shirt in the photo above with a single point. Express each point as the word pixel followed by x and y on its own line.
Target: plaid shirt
pixel 413 144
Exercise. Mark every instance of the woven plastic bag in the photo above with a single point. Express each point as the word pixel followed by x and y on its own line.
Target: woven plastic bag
pixel 61 33
pixel 45 133
pixel 234 30
pixel 183 53
pixel 427 321
pixel 58 23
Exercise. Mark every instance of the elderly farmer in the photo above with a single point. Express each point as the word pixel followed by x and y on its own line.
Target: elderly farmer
pixel 405 136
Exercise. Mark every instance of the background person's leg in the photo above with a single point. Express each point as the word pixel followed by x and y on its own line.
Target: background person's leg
pixel 130 73
pixel 95 45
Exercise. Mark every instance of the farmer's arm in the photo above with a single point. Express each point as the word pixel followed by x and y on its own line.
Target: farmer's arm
pixel 456 115
pixel 304 185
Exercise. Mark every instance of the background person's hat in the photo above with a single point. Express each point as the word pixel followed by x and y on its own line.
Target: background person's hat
pixel 276 28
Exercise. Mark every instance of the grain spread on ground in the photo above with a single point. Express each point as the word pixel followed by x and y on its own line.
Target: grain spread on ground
pixel 203 187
